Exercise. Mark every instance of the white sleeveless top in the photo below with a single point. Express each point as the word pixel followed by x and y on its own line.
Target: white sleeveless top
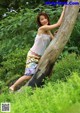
pixel 40 44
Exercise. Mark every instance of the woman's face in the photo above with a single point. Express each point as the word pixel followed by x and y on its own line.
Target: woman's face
pixel 43 20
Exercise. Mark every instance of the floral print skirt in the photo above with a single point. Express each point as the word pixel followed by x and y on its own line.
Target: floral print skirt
pixel 31 64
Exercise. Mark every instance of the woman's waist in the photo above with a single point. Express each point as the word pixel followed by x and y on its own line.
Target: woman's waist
pixel 33 54
pixel 38 50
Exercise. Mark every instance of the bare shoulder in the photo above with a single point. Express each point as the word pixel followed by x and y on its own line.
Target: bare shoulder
pixel 40 31
pixel 43 27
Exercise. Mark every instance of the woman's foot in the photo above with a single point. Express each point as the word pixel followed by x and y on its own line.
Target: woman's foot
pixel 11 88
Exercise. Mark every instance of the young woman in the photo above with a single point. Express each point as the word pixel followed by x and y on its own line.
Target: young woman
pixel 42 40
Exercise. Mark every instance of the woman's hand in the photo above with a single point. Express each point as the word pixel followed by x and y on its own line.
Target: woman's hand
pixel 64 7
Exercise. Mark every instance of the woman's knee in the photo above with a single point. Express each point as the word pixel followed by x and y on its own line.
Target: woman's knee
pixel 27 77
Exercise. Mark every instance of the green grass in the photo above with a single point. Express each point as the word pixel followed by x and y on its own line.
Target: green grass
pixel 53 98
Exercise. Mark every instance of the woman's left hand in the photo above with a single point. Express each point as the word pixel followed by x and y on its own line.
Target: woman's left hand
pixel 64 7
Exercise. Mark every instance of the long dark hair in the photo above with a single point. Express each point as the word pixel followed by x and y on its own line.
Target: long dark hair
pixel 38 18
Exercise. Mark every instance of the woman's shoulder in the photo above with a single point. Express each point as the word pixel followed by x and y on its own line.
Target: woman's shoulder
pixel 40 31
pixel 40 28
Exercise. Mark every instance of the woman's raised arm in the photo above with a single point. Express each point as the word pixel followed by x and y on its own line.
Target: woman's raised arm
pixel 50 27
pixel 61 17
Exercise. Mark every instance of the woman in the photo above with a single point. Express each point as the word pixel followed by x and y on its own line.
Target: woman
pixel 42 40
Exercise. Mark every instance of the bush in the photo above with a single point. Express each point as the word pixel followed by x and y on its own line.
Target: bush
pixel 66 66
pixel 14 63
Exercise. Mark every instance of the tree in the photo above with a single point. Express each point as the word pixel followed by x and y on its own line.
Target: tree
pixel 56 46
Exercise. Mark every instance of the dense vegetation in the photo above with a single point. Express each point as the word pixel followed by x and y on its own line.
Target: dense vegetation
pixel 16 5
pixel 17 33
pixel 59 97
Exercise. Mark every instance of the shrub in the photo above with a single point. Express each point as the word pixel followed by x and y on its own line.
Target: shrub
pixel 66 66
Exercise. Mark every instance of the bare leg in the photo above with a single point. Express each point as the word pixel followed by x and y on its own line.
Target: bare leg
pixel 19 81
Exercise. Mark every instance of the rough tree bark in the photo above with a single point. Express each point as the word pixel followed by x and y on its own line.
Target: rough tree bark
pixel 56 46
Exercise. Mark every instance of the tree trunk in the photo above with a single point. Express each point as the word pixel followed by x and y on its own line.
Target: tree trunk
pixel 56 46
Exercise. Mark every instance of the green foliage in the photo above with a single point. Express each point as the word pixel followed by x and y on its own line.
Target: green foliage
pixel 53 98
pixel 13 63
pixel 66 66
pixel 20 24
pixel 74 41
pixel 16 5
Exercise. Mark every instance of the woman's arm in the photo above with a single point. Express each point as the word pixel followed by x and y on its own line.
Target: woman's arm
pixel 61 17
pixel 51 35
pixel 50 27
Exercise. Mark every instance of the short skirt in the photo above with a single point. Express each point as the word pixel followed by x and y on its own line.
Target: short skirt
pixel 31 64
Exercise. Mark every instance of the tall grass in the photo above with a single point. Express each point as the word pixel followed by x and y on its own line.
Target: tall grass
pixel 53 98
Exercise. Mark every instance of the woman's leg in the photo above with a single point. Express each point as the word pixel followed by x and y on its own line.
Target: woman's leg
pixel 19 81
